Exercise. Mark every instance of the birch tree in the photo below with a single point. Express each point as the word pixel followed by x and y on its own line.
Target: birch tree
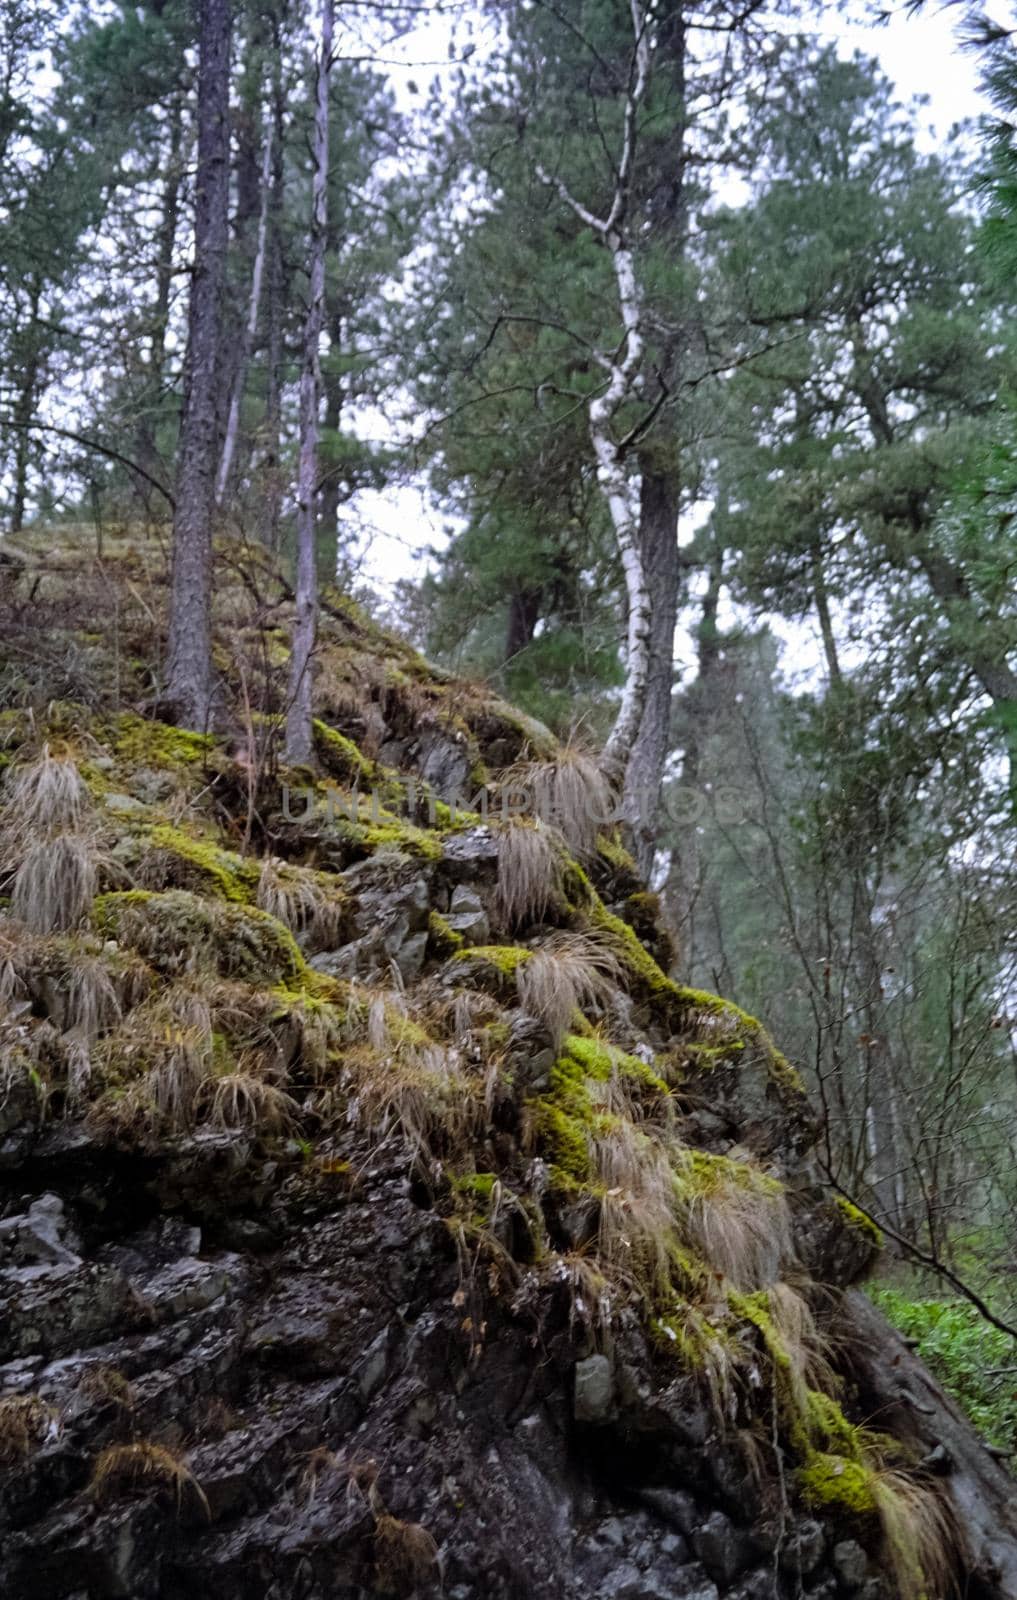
pixel 229 445
pixel 622 368
pixel 299 731
pixel 189 686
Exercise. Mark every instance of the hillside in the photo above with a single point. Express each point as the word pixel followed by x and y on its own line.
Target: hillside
pixel 379 1215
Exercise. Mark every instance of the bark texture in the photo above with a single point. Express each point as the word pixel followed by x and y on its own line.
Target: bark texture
pixel 189 687
pixel 658 529
pixel 299 732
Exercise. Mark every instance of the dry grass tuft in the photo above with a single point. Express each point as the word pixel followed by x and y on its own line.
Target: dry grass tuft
pixel 636 1228
pixel 239 1102
pixel 734 1217
pixel 571 794
pixel 570 972
pixel 55 883
pixel 26 1423
pixel 124 1470
pixel 406 1556
pixel 529 873
pixel 420 1097
pixel 45 796
pixel 303 901
pixel 920 1537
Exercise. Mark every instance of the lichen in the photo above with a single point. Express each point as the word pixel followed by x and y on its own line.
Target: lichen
pixel 179 931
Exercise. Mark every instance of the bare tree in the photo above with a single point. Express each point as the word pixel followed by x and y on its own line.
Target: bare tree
pixel 189 688
pixel 299 732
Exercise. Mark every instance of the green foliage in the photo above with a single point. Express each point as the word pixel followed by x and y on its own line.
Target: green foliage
pixel 974 1361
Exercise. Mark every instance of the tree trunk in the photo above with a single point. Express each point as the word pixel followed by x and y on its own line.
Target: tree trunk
pixel 250 330
pixel 299 731
pixel 333 386
pixel 524 610
pixel 682 891
pixel 271 472
pixel 24 410
pixel 189 688
pixel 897 1389
pixel 658 538
pixel 166 239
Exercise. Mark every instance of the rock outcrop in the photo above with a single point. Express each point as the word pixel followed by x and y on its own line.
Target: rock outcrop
pixel 377 1214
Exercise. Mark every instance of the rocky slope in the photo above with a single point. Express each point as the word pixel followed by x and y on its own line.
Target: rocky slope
pixel 377 1215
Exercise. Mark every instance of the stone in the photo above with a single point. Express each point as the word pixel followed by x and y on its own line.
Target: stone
pixel 122 804
pixel 674 1506
pixel 724 1550
pixel 850 1563
pixel 594 1390
pixel 804 1547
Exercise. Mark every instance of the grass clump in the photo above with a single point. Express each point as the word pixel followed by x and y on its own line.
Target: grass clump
pixel 567 974
pixel 569 792
pixel 529 873
pixel 735 1216
pixel 26 1423
pixel 310 904
pixel 125 1471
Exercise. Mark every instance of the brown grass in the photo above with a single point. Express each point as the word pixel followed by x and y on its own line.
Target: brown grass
pixel 303 901
pixel 26 1422
pixel 240 1102
pixel 529 873
pixel 920 1537
pixel 567 973
pixel 571 794
pixel 55 883
pixel 127 1470
pixel 405 1554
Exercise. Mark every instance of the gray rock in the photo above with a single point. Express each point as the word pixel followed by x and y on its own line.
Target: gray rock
pixel 850 1563
pixel 41 1235
pixel 674 1506
pixel 594 1389
pixel 122 804
pixel 803 1549
pixel 724 1550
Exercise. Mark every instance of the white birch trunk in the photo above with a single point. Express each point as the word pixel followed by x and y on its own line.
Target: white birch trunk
pixel 229 444
pixel 299 731
pixel 619 488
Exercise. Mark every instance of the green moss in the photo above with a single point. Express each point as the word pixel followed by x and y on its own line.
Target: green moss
pixel 564 1140
pixel 220 872
pixel 441 939
pixel 749 1028
pixel 495 965
pixel 611 850
pixel 599 1060
pixel 178 931
pixel 475 1188
pixel 705 1174
pixel 390 833
pixel 856 1219
pixel 831 1482
pixel 138 742
pixel 341 758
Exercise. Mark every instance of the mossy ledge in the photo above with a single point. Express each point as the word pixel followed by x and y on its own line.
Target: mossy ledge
pixel 416 1194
